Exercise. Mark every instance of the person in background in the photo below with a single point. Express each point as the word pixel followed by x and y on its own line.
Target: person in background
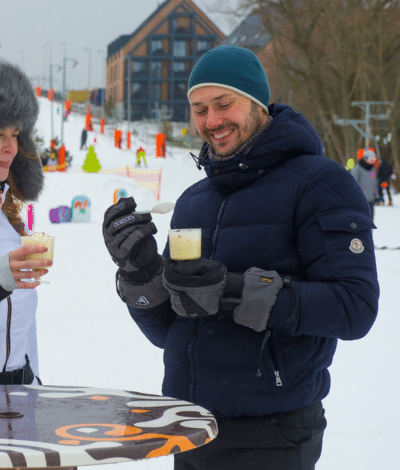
pixel 287 268
pixel 385 174
pixel 21 180
pixel 140 153
pixel 83 139
pixel 365 175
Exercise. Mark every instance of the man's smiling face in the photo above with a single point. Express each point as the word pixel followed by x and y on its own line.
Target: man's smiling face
pixel 224 118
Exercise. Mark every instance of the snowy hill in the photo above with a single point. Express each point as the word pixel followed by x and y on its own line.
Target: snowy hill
pixel 87 338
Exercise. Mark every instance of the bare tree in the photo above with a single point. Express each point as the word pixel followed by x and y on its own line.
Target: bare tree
pixel 331 53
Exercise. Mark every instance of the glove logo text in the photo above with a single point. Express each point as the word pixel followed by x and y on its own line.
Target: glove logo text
pixel 124 220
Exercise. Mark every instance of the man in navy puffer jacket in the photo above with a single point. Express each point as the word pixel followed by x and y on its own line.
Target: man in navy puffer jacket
pixel 287 268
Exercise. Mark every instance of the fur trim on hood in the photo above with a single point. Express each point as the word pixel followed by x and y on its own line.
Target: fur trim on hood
pixel 19 107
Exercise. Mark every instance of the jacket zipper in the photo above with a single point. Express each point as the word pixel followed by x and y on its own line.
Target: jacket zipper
pixel 217 226
pixel 191 364
pixel 278 380
pixel 8 337
pixel 190 347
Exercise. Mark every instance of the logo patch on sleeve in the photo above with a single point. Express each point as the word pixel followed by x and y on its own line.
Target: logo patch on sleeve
pixel 356 246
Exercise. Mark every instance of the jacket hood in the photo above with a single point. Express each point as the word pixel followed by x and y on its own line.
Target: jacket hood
pixel 19 107
pixel 289 135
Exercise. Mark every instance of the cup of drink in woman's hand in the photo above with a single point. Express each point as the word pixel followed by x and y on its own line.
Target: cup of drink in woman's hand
pixel 41 239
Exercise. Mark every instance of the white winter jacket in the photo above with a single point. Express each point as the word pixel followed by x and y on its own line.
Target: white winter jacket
pixel 17 311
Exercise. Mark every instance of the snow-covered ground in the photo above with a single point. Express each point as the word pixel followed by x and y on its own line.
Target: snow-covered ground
pixel 87 338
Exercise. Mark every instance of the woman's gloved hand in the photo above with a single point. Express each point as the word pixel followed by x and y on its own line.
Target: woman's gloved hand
pixel 129 239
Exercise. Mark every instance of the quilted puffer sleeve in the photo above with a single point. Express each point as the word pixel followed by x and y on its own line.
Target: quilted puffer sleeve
pixel 334 241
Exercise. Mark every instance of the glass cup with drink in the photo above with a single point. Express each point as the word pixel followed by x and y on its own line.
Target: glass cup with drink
pixel 184 243
pixel 41 239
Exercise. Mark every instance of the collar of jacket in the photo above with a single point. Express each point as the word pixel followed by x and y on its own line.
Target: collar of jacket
pixel 290 135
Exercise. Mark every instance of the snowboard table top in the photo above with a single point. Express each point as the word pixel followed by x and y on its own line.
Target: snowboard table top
pixel 62 426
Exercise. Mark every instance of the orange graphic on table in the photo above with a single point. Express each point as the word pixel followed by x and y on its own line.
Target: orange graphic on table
pixel 124 433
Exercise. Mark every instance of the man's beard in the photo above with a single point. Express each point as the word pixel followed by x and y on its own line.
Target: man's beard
pixel 252 124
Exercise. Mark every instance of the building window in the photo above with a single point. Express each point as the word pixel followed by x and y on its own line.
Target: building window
pixel 179 48
pixel 140 91
pixel 179 67
pixel 156 92
pixel 155 69
pixel 156 46
pixel 202 46
pixel 138 67
pixel 180 90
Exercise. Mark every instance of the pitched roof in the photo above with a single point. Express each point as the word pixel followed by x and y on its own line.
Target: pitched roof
pixel 250 33
pixel 120 42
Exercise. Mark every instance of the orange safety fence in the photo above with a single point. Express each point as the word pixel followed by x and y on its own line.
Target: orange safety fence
pixel 160 146
pixel 117 138
pixel 150 179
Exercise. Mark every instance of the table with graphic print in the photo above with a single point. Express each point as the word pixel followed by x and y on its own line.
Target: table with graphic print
pixel 61 426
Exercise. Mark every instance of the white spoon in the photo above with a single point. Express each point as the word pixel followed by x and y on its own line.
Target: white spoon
pixel 161 208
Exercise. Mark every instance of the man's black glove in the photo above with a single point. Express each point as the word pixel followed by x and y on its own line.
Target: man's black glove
pixel 129 239
pixel 195 286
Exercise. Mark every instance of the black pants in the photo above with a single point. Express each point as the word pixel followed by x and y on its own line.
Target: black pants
pixel 19 376
pixel 284 441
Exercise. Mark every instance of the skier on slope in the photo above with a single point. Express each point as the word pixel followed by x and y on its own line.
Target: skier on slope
pixel 287 268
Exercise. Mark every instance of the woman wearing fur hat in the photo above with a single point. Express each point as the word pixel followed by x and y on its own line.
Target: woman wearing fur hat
pixel 21 180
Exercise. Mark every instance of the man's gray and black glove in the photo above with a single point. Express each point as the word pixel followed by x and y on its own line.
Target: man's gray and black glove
pixel 195 286
pixel 202 287
pixel 260 290
pixel 129 239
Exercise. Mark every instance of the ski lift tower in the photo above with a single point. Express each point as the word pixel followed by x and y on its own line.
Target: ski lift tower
pixel 356 123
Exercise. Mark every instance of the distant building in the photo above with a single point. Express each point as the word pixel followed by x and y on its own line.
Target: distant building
pixel 155 61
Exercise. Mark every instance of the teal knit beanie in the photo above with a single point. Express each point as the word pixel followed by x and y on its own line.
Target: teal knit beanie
pixel 235 68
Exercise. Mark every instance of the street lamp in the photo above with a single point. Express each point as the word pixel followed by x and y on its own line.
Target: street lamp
pixel 90 60
pixel 75 62
pixel 51 102
pixel 65 55
pixel 103 94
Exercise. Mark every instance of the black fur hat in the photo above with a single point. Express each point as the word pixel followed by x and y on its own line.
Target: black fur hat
pixel 19 108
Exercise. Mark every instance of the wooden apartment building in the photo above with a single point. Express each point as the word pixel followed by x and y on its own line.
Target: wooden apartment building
pixel 152 65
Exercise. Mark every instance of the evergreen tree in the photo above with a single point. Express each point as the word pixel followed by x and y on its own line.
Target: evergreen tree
pixel 91 163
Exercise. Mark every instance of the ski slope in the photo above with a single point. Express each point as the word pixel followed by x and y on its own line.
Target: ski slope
pixel 87 338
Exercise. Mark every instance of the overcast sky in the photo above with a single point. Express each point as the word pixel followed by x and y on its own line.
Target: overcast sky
pixel 31 30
